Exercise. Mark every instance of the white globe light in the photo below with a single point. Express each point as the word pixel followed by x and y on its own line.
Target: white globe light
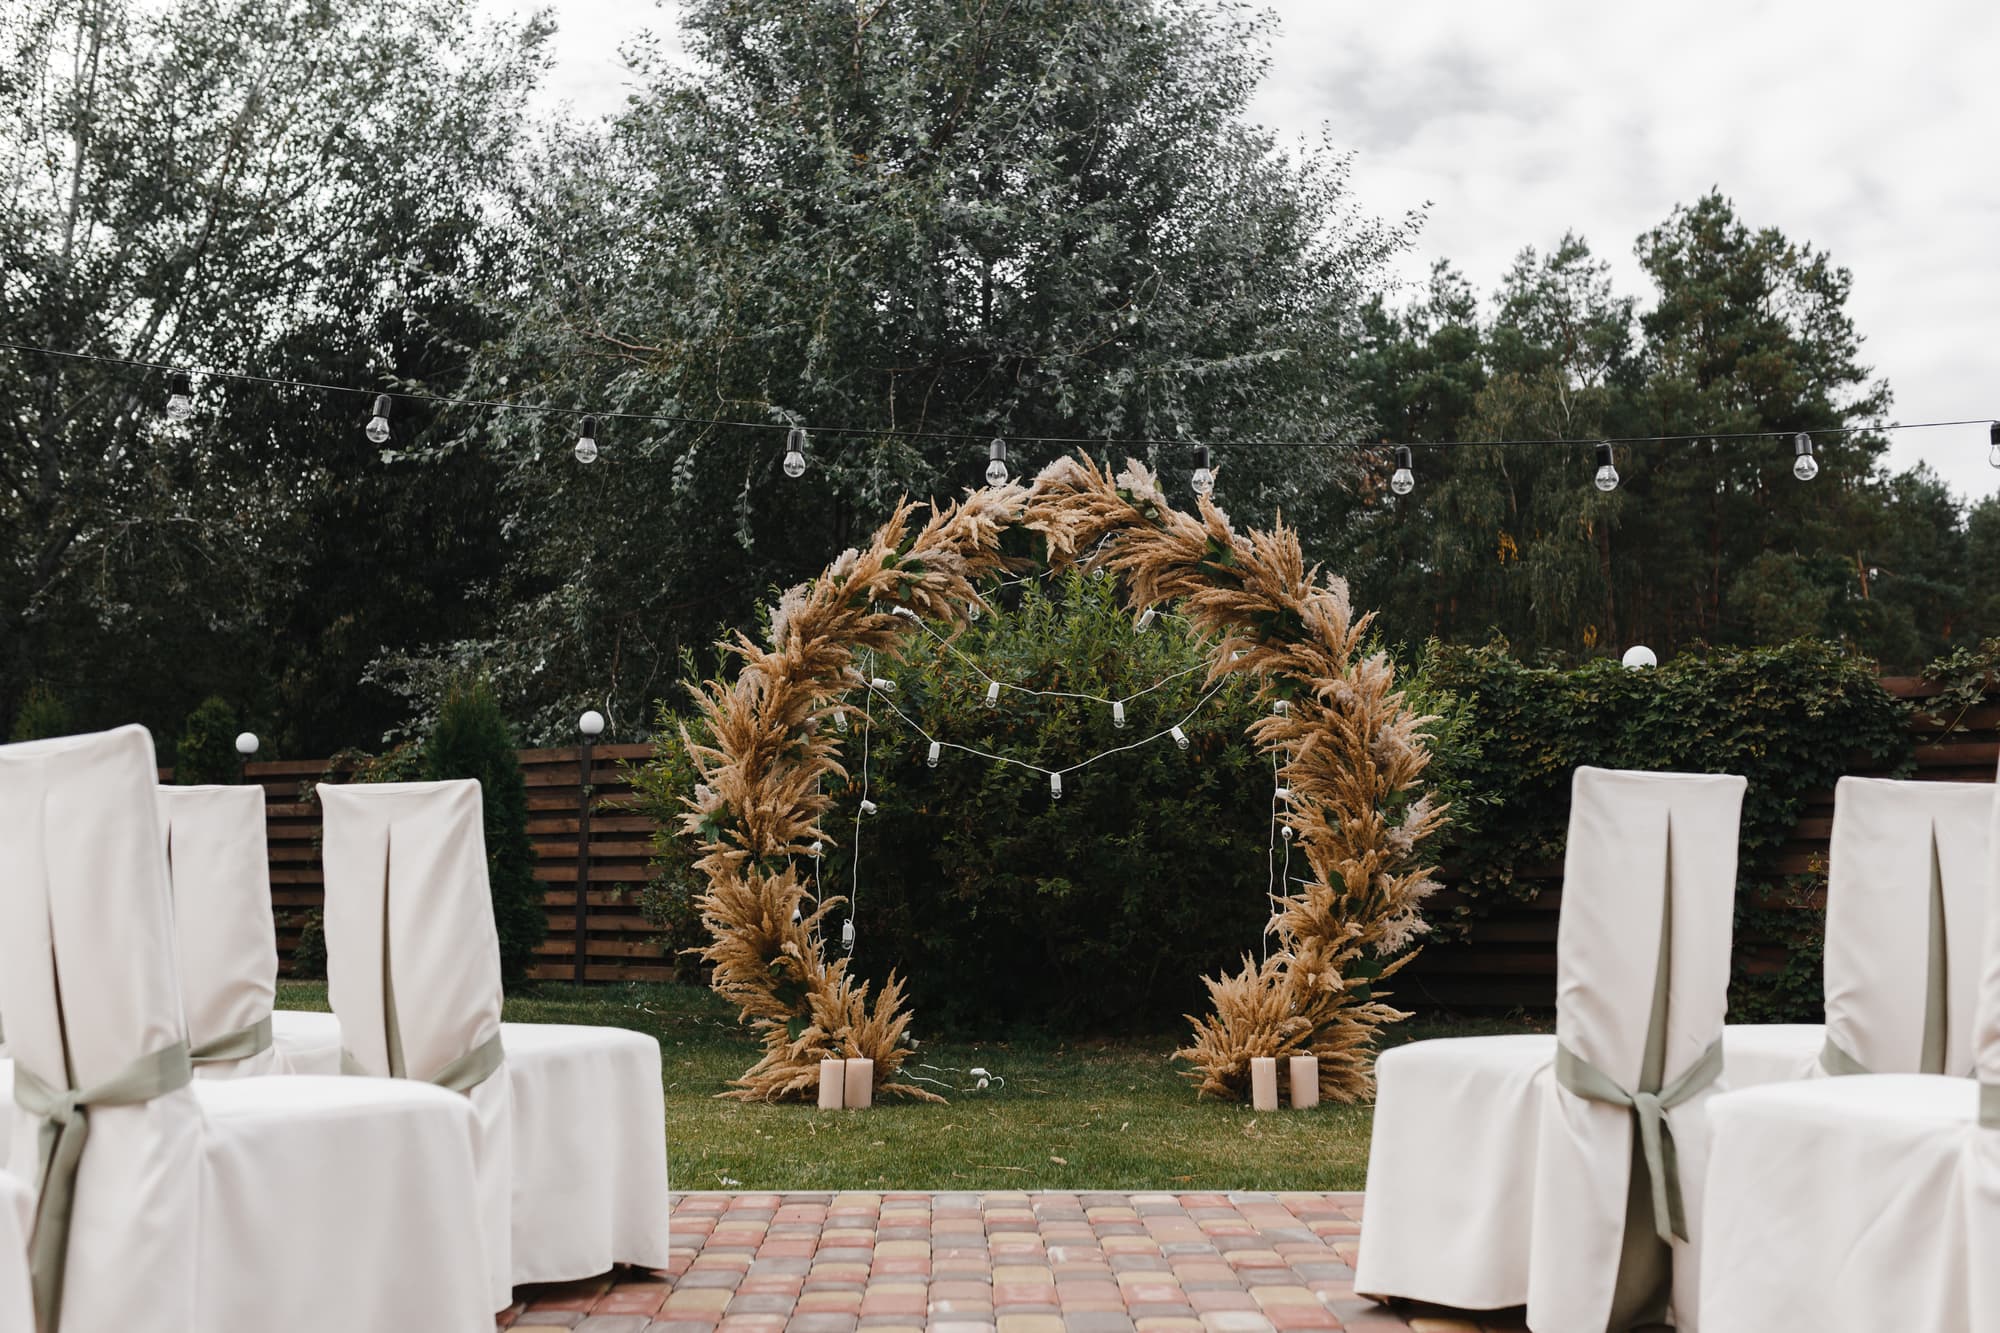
pixel 591 723
pixel 1639 655
pixel 246 744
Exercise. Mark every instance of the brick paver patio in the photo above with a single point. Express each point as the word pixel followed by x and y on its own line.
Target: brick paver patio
pixel 996 1263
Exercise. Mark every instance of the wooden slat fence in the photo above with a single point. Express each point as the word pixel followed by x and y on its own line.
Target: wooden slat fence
pixel 620 945
pixel 1508 961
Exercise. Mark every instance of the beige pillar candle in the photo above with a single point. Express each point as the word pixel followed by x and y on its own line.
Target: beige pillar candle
pixel 860 1083
pixel 1304 1077
pixel 1264 1083
pixel 832 1084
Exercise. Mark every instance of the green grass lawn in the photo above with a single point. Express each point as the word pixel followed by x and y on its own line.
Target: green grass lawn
pixel 1072 1115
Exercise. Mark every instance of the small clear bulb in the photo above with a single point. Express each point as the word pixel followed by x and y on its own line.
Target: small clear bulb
pixel 1993 434
pixel 1804 466
pixel 932 757
pixel 1203 480
pixel 586 441
pixel 1118 716
pixel 993 695
pixel 996 467
pixel 180 397
pixel 1145 620
pixel 1607 471
pixel 1180 737
pixel 795 452
pixel 847 934
pixel 1405 479
pixel 378 425
pixel 1055 786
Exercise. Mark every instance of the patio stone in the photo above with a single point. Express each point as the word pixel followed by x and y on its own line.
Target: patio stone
pixel 1007 1262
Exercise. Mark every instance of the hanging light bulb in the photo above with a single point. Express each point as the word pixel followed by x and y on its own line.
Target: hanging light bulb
pixel 868 807
pixel 586 441
pixel 1405 478
pixel 818 849
pixel 882 685
pixel 1280 707
pixel 1607 471
pixel 840 721
pixel 378 425
pixel 1145 620
pixel 1284 795
pixel 1203 480
pixel 795 452
pixel 993 695
pixel 1180 737
pixel 847 934
pixel 972 611
pixel 180 396
pixel 1055 786
pixel 932 758
pixel 996 467
pixel 1993 434
pixel 1804 466
pixel 1118 716
pixel 1285 832
pixel 798 914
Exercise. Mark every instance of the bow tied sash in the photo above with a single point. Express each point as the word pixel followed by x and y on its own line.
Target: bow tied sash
pixel 65 1115
pixel 1656 1134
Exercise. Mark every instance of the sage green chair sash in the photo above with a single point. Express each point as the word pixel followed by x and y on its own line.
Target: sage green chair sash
pixel 1837 1060
pixel 464 1074
pixel 1656 1135
pixel 1989 1105
pixel 238 1045
pixel 65 1129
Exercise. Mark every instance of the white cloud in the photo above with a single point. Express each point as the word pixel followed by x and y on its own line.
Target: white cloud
pixel 1868 130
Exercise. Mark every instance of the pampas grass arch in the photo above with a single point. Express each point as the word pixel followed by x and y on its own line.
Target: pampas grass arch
pixel 1352 754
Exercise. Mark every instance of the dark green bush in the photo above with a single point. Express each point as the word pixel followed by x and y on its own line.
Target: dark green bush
pixel 206 750
pixel 1790 719
pixel 42 714
pixel 1003 908
pixel 472 740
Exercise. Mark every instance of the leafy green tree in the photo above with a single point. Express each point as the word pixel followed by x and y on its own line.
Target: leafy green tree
pixel 1049 218
pixel 206 750
pixel 227 185
pixel 1710 541
pixel 472 740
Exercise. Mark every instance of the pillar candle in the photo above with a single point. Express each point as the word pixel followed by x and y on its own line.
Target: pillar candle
pixel 860 1083
pixel 832 1084
pixel 1305 1082
pixel 1264 1083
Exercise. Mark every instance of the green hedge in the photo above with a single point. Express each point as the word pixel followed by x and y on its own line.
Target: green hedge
pixel 1790 719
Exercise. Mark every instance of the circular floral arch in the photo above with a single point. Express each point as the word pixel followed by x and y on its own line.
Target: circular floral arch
pixel 1351 753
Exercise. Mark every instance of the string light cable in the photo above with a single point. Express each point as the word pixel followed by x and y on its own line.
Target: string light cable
pixel 179 406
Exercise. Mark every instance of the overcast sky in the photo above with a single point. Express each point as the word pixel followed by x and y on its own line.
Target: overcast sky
pixel 1870 130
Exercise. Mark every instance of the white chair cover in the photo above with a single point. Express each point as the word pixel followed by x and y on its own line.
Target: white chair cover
pixel 1456 1154
pixel 1642 983
pixel 220 875
pixel 1905 926
pixel 589 1169
pixel 310 1040
pixel 17 1216
pixel 413 960
pixel 1859 1203
pixel 219 1205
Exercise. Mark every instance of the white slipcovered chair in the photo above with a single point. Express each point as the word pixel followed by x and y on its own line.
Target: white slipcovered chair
pixel 166 1203
pixel 1520 1169
pixel 1867 1202
pixel 17 1217
pixel 1905 928
pixel 218 862
pixel 578 1121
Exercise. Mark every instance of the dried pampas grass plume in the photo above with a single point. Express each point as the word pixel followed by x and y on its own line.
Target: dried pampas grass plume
pixel 1352 754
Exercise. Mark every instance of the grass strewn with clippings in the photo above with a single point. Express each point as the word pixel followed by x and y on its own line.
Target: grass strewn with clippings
pixel 1072 1115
